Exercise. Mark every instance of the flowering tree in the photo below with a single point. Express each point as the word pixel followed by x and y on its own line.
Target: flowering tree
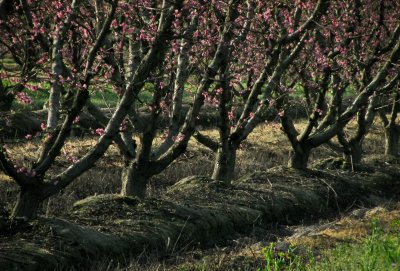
pixel 75 20
pixel 231 24
pixel 250 53
pixel 281 31
pixel 152 159
pixel 335 65
pixel 21 49
pixel 377 18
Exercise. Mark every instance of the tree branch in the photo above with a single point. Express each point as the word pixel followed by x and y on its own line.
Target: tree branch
pixel 80 99
pixel 206 141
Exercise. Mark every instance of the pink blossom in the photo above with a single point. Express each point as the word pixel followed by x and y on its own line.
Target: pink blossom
pixel 319 112
pixel 60 15
pixel 122 127
pixel 267 14
pixel 72 159
pixel 22 97
pixel 99 131
pixel 231 115
pixel 178 138
pixel 215 102
pixel 43 126
pixel 32 87
pixel 28 136
pixel 27 171
pixel 219 91
pixel 77 120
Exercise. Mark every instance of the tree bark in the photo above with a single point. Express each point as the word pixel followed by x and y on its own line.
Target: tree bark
pixel 300 157
pixel 6 98
pixel 225 162
pixel 354 154
pixel 134 182
pixel 28 203
pixel 57 69
pixel 392 140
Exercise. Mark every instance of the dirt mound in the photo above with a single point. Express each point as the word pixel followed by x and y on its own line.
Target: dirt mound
pixel 21 123
pixel 196 211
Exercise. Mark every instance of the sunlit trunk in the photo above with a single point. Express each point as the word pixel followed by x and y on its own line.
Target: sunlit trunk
pixel 134 181
pixel 225 162
pixel 392 141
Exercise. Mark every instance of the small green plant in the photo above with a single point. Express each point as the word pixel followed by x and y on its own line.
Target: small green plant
pixel 197 267
pixel 282 260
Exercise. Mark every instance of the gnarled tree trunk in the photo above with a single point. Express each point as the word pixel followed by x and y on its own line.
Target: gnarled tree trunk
pixel 353 154
pixel 224 166
pixel 134 181
pixel 392 135
pixel 28 203
pixel 300 156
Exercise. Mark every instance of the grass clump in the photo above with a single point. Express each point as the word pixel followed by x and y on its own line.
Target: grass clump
pixel 379 251
pixel 282 260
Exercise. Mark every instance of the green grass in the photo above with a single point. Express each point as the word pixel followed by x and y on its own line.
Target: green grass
pixel 102 98
pixel 105 98
pixel 282 260
pixel 379 251
pixel 298 92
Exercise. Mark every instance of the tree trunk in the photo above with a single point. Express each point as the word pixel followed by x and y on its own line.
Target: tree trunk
pixel 127 137
pixel 225 162
pixel 134 182
pixel 299 158
pixel 392 141
pixel 354 156
pixel 6 98
pixel 28 203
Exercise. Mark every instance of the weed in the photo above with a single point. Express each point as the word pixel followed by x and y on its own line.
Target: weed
pixel 281 260
pixel 379 251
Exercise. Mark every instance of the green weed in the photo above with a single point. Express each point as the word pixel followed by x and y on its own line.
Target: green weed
pixel 379 251
pixel 288 260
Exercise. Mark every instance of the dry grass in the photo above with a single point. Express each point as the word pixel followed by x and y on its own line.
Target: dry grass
pixel 266 147
pixel 350 228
